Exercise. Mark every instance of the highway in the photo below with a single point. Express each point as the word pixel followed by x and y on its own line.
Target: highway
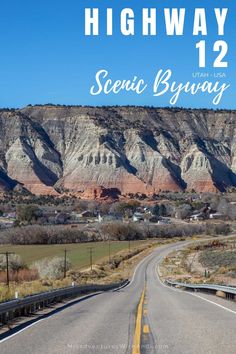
pixel 144 317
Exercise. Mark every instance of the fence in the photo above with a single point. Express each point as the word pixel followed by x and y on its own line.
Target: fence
pixel 219 290
pixel 31 304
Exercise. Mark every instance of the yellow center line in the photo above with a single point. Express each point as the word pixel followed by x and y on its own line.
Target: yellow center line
pixel 138 325
pixel 145 312
pixel 146 329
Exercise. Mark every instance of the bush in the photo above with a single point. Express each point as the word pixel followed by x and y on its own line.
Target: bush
pixel 22 275
pixel 15 262
pixel 51 268
pixel 218 258
pixel 217 229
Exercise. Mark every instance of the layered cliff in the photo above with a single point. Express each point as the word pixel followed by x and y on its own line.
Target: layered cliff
pixel 50 149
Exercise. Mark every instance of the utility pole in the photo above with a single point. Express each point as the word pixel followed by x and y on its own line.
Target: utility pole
pixel 129 246
pixel 65 263
pixel 90 249
pixel 7 254
pixel 109 249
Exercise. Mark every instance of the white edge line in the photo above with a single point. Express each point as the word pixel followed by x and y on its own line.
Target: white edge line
pixel 22 330
pixel 179 244
pixel 144 259
pixel 54 314
pixel 149 256
pixel 214 303
pixel 186 292
pixel 43 319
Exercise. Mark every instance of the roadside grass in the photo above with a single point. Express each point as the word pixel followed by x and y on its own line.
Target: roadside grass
pixel 29 288
pixel 78 254
pixel 212 259
pixel 212 264
pixel 120 266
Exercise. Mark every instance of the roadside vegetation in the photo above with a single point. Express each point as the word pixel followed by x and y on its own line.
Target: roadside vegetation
pixel 211 262
pixel 78 254
pixel 49 272
pixel 114 233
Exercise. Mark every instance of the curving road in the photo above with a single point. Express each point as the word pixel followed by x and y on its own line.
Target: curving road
pixel 145 317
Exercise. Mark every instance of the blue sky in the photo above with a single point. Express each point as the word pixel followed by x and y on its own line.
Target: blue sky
pixel 45 57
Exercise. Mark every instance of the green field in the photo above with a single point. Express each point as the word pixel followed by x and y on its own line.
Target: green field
pixel 78 254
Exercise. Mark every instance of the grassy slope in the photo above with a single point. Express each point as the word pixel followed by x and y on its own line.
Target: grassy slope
pixel 78 253
pixel 190 264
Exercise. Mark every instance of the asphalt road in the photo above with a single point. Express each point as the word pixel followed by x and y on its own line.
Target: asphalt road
pixel 172 321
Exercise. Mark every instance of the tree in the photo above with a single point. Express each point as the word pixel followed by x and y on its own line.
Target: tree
pixel 122 208
pixel 156 210
pixel 104 208
pixel 134 205
pixel 15 262
pixel 223 207
pixel 28 213
pixel 122 231
pixel 159 210
pixel 183 211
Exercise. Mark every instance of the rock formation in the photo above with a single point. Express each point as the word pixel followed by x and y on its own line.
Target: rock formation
pixel 96 151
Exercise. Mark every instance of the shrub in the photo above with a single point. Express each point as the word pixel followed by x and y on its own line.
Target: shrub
pixel 217 259
pixel 217 229
pixel 21 275
pixel 15 262
pixel 51 268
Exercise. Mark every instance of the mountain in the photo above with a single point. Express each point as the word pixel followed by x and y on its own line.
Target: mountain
pixel 50 149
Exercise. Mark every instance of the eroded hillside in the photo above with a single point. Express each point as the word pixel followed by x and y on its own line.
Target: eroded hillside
pixel 50 149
